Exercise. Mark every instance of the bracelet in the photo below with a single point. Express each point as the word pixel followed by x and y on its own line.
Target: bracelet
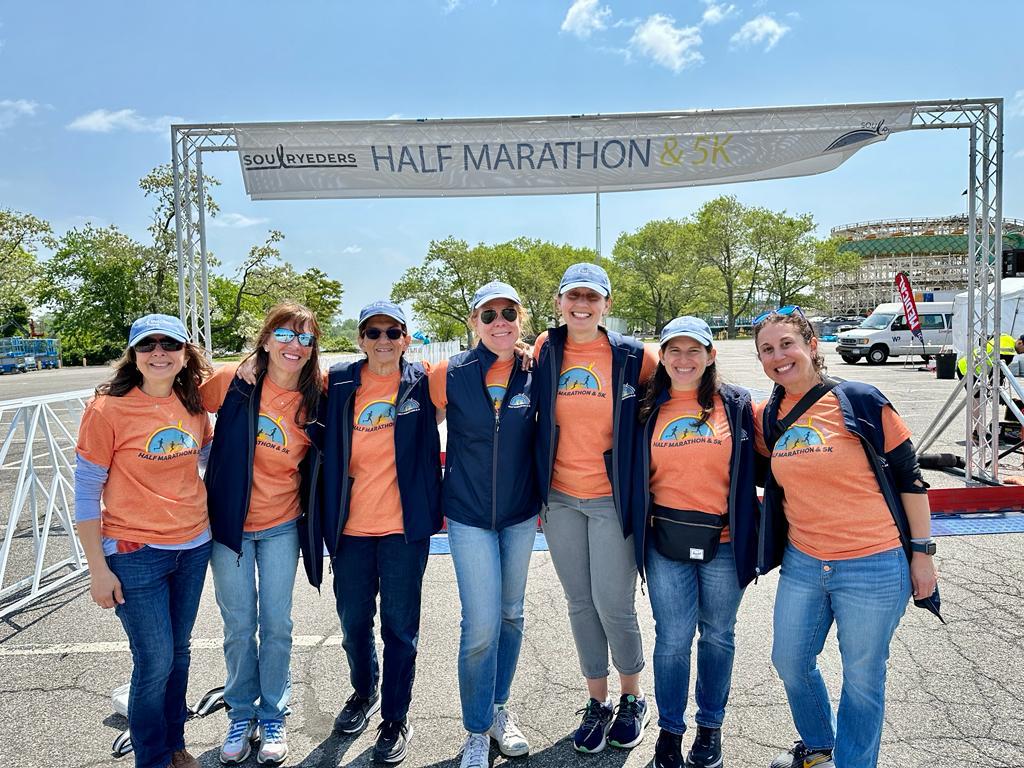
pixel 922 540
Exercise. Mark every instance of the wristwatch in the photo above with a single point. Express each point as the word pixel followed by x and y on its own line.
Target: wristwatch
pixel 925 547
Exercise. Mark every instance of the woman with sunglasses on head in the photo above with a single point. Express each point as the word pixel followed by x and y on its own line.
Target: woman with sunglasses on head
pixel 141 511
pixel 586 383
pixel 490 500
pixel 853 563
pixel 381 504
pixel 260 482
pixel 695 531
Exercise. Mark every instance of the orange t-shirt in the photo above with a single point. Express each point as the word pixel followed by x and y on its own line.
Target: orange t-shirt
pixel 583 412
pixel 150 448
pixel 281 444
pixel 375 505
pixel 832 501
pixel 690 464
pixel 496 379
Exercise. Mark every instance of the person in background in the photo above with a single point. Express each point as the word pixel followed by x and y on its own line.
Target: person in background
pixel 586 385
pixel 695 531
pixel 491 502
pixel 263 467
pixel 381 504
pixel 141 510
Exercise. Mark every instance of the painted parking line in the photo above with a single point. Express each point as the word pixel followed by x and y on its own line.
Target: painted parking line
pixel 202 643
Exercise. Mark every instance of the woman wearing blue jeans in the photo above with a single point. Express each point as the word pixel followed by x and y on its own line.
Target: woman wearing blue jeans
pixel 695 530
pixel 846 514
pixel 141 511
pixel 490 498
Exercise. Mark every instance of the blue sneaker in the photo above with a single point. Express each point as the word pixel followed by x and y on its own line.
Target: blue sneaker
pixel 238 742
pixel 631 717
pixel 590 736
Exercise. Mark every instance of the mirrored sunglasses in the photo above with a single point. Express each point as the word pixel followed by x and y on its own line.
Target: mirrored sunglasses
pixel 285 335
pixel 167 345
pixel 789 309
pixel 488 316
pixel 392 333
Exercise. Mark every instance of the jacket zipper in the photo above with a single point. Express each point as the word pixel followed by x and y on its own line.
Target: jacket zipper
pixel 257 390
pixel 648 433
pixel 736 444
pixel 556 363
pixel 768 479
pixel 494 442
pixel 346 457
pixel 620 377
pixel 878 467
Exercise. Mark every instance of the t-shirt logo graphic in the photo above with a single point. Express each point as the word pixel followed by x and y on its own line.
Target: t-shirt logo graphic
pixel 685 428
pixel 800 436
pixel 269 430
pixel 377 413
pixel 171 440
pixel 497 393
pixel 578 377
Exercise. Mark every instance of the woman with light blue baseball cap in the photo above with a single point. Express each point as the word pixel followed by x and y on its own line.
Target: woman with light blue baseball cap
pixel 694 531
pixel 491 501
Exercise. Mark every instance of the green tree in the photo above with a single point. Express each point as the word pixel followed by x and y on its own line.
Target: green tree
pixel 787 249
pixel 723 241
pixel 21 234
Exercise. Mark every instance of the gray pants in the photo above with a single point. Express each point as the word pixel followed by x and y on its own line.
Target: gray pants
pixel 597 569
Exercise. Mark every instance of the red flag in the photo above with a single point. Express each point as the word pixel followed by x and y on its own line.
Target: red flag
pixel 909 305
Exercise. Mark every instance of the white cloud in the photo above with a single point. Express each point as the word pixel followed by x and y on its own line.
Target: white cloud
pixel 673 47
pixel 717 12
pixel 1019 153
pixel 450 6
pixel 235 221
pixel 105 121
pixel 1014 109
pixel 350 249
pixel 585 17
pixel 12 109
pixel 763 29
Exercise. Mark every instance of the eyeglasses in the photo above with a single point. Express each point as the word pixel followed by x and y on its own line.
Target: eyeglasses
pixel 285 335
pixel 392 333
pixel 167 345
pixel 488 316
pixel 789 309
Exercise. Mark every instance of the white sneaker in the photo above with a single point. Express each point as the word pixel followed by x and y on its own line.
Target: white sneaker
pixel 476 751
pixel 273 742
pixel 510 740
pixel 237 744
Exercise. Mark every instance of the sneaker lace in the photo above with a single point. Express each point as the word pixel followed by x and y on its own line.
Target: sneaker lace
pixel 592 714
pixel 506 723
pixel 237 729
pixel 477 748
pixel 388 730
pixel 629 709
pixel 703 739
pixel 273 730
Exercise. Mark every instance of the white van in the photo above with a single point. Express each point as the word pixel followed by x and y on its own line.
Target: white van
pixel 884 333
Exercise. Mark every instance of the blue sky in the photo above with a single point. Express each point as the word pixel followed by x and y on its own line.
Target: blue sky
pixel 87 91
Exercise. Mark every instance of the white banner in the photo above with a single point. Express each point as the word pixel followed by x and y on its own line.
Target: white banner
pixel 554 155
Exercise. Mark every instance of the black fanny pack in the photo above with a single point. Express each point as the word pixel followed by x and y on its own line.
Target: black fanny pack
pixel 685 534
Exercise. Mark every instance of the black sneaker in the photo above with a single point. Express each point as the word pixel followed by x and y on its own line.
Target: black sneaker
pixel 706 751
pixel 393 738
pixel 590 736
pixel 355 715
pixel 668 751
pixel 802 757
pixel 631 717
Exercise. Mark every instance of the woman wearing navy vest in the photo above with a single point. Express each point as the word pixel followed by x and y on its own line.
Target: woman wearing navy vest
pixel 491 503
pixel 261 485
pixel 695 531
pixel 381 504
pixel 846 515
pixel 586 384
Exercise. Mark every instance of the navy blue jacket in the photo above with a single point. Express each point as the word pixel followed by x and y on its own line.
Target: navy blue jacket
pixel 627 362
pixel 744 508
pixel 417 452
pixel 489 475
pixel 229 475
pixel 861 405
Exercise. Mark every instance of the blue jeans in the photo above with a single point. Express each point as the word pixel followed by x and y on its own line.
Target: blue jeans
pixel 364 566
pixel 258 682
pixel 491 569
pixel 161 589
pixel 865 597
pixel 685 597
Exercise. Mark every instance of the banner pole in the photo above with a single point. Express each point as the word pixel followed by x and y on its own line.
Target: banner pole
pixel 597 222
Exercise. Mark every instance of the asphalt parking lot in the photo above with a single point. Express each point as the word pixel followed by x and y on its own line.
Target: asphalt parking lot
pixel 955 693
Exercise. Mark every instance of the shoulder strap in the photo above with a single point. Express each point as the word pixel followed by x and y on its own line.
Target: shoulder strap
pixel 814 395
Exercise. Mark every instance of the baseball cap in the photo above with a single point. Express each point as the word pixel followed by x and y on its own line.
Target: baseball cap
pixel 168 325
pixel 689 326
pixel 386 308
pixel 584 275
pixel 494 290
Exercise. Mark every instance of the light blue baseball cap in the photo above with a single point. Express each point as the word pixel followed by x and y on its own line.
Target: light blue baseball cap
pixel 168 325
pixel 386 308
pixel 584 275
pixel 494 290
pixel 689 326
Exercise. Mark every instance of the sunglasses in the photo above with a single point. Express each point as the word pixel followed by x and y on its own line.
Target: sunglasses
pixel 789 309
pixel 167 345
pixel 392 333
pixel 285 335
pixel 488 316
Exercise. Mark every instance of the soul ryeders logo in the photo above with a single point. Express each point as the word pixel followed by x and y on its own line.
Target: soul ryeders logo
pixel 280 158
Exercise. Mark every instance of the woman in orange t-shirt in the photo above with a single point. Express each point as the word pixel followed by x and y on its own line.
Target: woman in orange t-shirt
pixel 141 511
pixel 846 512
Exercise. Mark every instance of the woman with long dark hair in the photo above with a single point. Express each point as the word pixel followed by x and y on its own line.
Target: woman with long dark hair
pixel 694 528
pixel 142 520
pixel 261 483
